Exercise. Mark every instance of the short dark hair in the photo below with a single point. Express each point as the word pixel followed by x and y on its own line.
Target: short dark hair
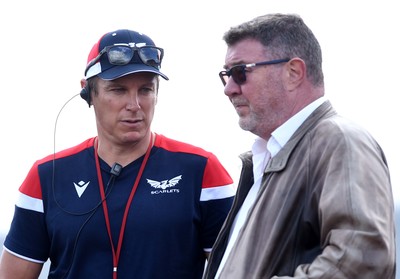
pixel 92 84
pixel 284 36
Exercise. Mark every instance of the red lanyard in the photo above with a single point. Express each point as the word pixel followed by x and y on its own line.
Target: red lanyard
pixel 117 253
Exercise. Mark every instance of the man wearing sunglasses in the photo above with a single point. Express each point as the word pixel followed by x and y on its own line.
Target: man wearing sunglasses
pixel 314 198
pixel 128 203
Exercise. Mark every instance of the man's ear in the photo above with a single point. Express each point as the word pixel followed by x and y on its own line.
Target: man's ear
pixel 85 92
pixel 296 72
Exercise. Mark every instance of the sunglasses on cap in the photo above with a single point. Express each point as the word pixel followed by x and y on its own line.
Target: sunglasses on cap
pixel 238 72
pixel 122 54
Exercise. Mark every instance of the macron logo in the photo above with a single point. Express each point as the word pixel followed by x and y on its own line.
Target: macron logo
pixel 81 187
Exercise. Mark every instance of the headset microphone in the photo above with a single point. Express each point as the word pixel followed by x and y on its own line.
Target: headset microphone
pixel 115 172
pixel 116 169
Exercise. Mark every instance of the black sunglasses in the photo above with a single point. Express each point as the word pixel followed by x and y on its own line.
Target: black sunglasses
pixel 238 72
pixel 123 54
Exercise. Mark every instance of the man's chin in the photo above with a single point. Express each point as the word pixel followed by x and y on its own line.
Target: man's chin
pixel 244 124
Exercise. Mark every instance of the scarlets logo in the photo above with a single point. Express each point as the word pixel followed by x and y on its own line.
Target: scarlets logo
pixel 164 186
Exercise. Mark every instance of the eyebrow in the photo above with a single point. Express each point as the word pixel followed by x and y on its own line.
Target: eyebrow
pixel 241 62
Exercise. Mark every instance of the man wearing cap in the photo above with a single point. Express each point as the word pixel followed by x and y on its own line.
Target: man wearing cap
pixel 128 203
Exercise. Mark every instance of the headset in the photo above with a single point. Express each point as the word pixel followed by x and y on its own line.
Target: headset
pixel 85 93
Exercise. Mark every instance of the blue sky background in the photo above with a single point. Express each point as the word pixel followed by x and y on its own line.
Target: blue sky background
pixel 44 47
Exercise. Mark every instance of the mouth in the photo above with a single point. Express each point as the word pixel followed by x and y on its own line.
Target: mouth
pixel 132 122
pixel 238 105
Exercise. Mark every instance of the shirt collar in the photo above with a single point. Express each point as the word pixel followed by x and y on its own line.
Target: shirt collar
pixel 282 134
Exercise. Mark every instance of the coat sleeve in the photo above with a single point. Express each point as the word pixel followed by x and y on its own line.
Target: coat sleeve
pixel 356 211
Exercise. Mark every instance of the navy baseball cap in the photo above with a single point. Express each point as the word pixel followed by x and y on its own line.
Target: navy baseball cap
pixel 123 52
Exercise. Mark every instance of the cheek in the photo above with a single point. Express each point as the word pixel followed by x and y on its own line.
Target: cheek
pixel 264 98
pixel 104 101
pixel 149 106
pixel 256 93
pixel 107 110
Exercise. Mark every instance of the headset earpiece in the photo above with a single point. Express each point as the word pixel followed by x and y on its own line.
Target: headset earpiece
pixel 85 94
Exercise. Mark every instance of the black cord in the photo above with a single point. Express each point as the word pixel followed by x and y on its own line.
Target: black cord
pixel 112 179
pixel 107 191
pixel 54 167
